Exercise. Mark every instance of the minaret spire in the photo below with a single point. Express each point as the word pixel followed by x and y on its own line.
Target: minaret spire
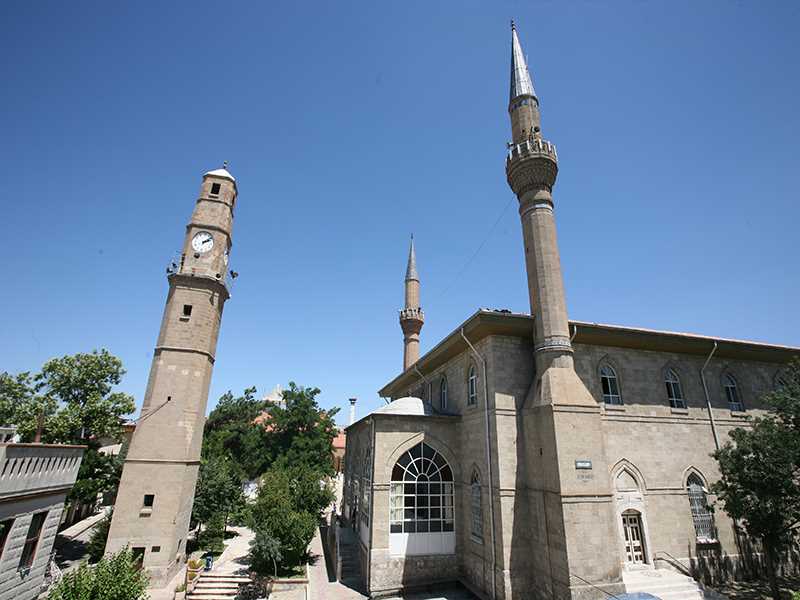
pixel 521 84
pixel 411 317
pixel 523 104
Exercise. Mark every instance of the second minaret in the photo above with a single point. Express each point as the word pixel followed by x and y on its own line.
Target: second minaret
pixel 411 317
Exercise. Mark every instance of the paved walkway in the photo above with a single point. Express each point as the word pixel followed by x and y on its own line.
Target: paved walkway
pixel 320 588
pixel 233 560
pixel 71 544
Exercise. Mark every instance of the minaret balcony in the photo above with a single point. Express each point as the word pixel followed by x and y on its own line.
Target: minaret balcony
pixel 177 266
pixel 533 148
pixel 412 314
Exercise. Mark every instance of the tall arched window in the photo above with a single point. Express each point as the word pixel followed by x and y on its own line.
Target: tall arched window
pixel 701 515
pixel 443 393
pixel 421 492
pixel 472 386
pixel 608 379
pixel 475 506
pixel 674 390
pixel 732 393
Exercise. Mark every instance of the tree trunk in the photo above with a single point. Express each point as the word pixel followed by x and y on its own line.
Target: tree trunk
pixel 772 572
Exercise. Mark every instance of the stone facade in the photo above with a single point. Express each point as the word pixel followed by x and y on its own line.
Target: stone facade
pixel 34 482
pixel 577 450
pixel 154 502
pixel 543 543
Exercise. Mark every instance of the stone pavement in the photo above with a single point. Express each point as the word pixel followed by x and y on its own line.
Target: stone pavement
pixel 320 588
pixel 234 559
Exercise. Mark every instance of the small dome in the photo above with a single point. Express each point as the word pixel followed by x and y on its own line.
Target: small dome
pixel 220 173
pixel 409 405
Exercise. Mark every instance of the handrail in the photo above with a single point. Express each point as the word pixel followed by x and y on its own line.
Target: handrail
pixel 609 594
pixel 674 562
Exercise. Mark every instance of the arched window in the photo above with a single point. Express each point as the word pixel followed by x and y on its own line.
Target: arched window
pixel 475 506
pixel 701 515
pixel 472 387
pixel 674 390
pixel 421 493
pixel 366 486
pixel 430 392
pixel 732 393
pixel 608 379
pixel 443 393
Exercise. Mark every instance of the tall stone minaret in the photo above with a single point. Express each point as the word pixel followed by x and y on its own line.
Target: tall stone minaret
pixel 154 502
pixel 564 415
pixel 411 317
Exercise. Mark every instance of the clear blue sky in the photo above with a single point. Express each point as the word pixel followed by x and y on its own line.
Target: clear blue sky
pixel 351 125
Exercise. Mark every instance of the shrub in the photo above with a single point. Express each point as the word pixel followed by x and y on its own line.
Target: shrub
pixel 116 577
pixel 97 541
pixel 265 553
pixel 211 538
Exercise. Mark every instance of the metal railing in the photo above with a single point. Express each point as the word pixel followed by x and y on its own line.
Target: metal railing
pixel 177 266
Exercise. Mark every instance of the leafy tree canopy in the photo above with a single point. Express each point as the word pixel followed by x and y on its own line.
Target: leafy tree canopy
pixel 115 577
pixel 303 432
pixel 759 484
pixel 219 489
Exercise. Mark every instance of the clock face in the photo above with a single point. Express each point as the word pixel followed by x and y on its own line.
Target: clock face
pixel 202 241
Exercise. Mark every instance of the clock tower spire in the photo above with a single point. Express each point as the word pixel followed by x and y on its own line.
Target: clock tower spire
pixel 156 492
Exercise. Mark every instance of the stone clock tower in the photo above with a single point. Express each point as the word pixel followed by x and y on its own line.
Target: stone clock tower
pixel 156 492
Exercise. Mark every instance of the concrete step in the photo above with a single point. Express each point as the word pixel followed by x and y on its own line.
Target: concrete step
pixel 194 596
pixel 231 576
pixel 217 583
pixel 211 591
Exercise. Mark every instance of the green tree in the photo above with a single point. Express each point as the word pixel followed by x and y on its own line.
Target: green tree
pixel 759 485
pixel 219 490
pixel 73 398
pixel 303 432
pixel 231 431
pixel 265 553
pixel 276 515
pixel 116 577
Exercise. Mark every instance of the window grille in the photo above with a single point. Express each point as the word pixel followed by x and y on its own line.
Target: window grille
pixel 366 486
pixel 443 393
pixel 702 517
pixel 472 387
pixel 608 379
pixel 421 492
pixel 732 394
pixel 674 390
pixel 475 504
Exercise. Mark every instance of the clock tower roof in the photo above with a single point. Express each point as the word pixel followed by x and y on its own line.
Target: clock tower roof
pixel 223 172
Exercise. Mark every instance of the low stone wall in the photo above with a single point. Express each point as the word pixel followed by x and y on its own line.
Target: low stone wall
pixel 389 574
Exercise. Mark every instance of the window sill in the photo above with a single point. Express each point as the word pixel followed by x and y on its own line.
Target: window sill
pixel 617 407
pixel 739 414
pixel 145 512
pixel 679 411
pixel 184 319
pixel 476 539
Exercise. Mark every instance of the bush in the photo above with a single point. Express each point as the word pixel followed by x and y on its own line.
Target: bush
pixel 211 538
pixel 97 541
pixel 265 553
pixel 275 514
pixel 116 577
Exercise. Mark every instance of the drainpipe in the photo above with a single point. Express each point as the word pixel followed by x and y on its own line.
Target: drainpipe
pixel 708 400
pixel 574 332
pixel 424 381
pixel 488 461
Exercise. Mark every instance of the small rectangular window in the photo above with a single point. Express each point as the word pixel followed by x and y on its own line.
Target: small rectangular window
pixel 32 541
pixel 149 499
pixel 215 187
pixel 155 549
pixel 5 529
pixel 187 310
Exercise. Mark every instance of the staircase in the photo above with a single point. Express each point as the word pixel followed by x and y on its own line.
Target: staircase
pixel 349 557
pixel 664 583
pixel 217 586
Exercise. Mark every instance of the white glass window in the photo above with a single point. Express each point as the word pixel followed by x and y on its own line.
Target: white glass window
pixel 472 386
pixel 732 393
pixel 608 379
pixel 475 505
pixel 674 390
pixel 702 517
pixel 421 492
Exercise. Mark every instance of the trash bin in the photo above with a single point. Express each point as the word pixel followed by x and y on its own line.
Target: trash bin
pixel 209 561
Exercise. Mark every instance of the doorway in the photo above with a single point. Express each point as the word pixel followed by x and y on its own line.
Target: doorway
pixel 634 539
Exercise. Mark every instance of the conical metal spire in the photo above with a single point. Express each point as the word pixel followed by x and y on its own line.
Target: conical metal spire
pixel 411 269
pixel 521 84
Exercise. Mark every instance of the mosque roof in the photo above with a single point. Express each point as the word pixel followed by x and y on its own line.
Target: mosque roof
pixel 409 406
pixel 486 322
